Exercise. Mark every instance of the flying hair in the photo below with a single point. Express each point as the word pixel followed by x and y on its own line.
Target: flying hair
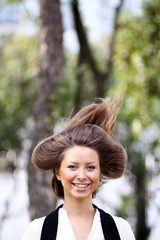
pixel 102 113
pixel 91 127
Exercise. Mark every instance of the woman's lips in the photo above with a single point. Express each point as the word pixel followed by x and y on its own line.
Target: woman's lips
pixel 80 185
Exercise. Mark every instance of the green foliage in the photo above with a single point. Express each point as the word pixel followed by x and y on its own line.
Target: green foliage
pixel 137 67
pixel 64 95
pixel 126 207
pixel 11 1
pixel 137 78
pixel 151 53
pixel 18 60
pixel 136 73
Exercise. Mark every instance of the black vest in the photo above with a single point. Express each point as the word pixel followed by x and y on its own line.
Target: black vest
pixel 49 230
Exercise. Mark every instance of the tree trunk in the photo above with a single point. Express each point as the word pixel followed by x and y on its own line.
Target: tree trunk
pixel 85 56
pixel 101 78
pixel 79 89
pixel 41 197
pixel 142 230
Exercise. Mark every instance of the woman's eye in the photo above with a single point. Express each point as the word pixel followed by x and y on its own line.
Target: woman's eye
pixel 91 167
pixel 73 167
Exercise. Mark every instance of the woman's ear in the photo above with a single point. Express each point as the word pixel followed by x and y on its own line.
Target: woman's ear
pixel 57 173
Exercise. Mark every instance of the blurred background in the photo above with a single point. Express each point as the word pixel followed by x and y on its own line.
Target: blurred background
pixel 57 56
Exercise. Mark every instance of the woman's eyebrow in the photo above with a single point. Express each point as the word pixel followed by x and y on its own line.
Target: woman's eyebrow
pixel 72 162
pixel 90 163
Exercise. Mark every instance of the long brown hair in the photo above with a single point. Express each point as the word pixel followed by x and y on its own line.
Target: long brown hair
pixel 92 127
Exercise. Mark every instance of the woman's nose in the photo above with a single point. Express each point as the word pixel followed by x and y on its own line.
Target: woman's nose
pixel 81 174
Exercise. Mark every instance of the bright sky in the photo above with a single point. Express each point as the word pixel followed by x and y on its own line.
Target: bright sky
pixel 97 16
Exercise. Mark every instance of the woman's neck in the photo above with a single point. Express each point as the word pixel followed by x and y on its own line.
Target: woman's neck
pixel 78 207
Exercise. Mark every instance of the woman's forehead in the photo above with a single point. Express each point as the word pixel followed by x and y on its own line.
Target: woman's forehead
pixel 81 154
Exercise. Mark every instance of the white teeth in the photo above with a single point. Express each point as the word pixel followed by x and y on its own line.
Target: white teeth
pixel 81 185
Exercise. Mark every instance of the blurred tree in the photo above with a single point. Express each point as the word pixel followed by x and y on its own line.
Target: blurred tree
pixel 18 91
pixel 50 65
pixel 48 79
pixel 101 77
pixel 18 60
pixel 137 71
pixel 136 75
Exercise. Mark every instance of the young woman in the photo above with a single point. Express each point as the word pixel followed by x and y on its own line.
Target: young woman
pixel 82 157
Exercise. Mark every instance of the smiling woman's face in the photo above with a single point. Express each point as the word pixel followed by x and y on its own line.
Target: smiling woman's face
pixel 79 173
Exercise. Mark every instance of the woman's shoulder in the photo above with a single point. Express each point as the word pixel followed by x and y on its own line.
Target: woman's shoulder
pixel 120 221
pixel 124 228
pixel 33 230
pixel 37 223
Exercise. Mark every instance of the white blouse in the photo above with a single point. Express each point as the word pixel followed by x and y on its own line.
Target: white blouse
pixel 65 231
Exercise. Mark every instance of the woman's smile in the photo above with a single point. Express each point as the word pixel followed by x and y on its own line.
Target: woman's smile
pixel 81 186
